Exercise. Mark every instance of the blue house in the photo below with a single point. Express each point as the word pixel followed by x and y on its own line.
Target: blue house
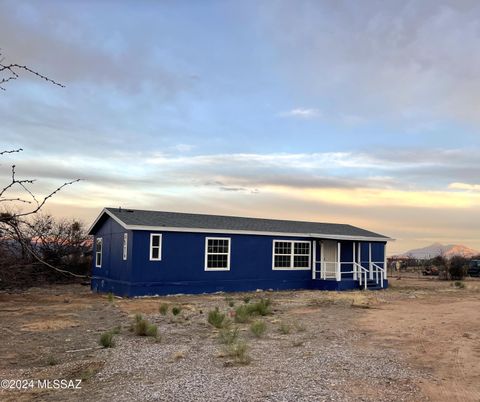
pixel 140 253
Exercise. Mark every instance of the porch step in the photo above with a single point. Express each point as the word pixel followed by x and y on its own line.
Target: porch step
pixel 371 285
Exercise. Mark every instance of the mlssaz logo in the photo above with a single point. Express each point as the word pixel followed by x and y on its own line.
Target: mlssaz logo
pixel 59 384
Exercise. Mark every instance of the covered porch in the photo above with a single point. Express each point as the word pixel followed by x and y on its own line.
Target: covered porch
pixel 349 264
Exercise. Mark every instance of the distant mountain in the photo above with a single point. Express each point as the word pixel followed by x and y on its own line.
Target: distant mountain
pixel 436 249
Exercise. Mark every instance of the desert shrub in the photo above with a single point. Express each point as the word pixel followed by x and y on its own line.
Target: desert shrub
pixel 176 310
pixel 140 325
pixel 457 267
pixel 228 336
pixel 262 307
pixel 216 318
pixel 116 330
pixel 106 340
pixel 258 328
pixel 110 297
pixel 246 299
pixel 239 351
pixel 284 328
pixel 51 360
pixel 151 330
pixel 242 314
pixel 163 309
pixel 460 285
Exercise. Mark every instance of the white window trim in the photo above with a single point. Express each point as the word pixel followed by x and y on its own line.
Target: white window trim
pixel 207 253
pixel 292 254
pixel 125 246
pixel 159 247
pixel 97 265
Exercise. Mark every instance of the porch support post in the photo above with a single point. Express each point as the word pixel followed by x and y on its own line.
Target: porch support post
pixel 322 266
pixel 385 260
pixel 353 263
pixel 314 258
pixel 339 265
pixel 370 266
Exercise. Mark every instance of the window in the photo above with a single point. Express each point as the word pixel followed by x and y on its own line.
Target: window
pixel 125 246
pixel 291 254
pixel 98 252
pixel 155 247
pixel 217 254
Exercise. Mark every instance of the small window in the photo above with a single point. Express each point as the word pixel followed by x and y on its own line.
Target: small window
pixel 291 254
pixel 155 247
pixel 98 252
pixel 217 254
pixel 125 246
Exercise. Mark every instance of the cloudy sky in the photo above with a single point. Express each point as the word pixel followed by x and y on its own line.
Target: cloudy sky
pixel 340 111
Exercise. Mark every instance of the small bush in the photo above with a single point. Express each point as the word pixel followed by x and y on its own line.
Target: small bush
pixel 163 309
pixel 242 314
pixel 231 303
pixel 116 330
pixel 110 297
pixel 246 299
pixel 459 285
pixel 284 328
pixel 228 336
pixel 262 307
pixel 258 328
pixel 52 361
pixel 176 310
pixel 106 340
pixel 216 318
pixel 151 330
pixel 142 327
pixel 239 351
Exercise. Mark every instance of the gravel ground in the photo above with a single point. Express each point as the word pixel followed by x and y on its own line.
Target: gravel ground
pixel 324 357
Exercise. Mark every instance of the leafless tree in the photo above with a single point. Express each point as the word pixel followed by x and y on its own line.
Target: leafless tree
pixel 18 202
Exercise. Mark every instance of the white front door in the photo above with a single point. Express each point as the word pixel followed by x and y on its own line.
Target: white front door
pixel 329 259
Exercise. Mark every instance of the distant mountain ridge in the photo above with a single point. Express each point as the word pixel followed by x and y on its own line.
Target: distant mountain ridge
pixel 436 249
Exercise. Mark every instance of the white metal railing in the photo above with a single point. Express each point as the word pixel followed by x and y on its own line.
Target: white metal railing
pixel 326 273
pixel 359 272
pixel 377 270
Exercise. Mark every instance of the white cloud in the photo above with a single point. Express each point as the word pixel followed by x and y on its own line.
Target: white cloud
pixel 303 113
pixel 464 186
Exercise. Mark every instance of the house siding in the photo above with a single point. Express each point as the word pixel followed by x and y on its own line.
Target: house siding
pixel 114 270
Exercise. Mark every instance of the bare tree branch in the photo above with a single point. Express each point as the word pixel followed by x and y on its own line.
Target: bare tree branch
pixel 12 74
pixel 11 152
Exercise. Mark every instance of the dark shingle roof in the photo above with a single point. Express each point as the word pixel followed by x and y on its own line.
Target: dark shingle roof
pixel 217 222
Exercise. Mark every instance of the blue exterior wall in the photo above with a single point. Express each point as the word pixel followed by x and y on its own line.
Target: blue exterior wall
pixel 182 267
pixel 115 274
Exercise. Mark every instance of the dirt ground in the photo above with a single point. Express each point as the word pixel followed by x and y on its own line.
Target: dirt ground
pixel 418 340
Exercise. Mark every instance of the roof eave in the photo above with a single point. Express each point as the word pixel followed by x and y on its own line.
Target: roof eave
pixel 259 233
pixel 105 211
